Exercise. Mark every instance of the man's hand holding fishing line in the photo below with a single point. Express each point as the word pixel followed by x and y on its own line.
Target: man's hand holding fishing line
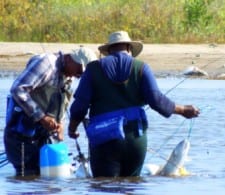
pixel 187 111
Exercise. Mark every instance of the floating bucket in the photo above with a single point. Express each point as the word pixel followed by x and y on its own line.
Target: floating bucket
pixel 54 160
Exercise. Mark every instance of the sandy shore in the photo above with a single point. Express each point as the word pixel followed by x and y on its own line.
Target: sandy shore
pixel 164 59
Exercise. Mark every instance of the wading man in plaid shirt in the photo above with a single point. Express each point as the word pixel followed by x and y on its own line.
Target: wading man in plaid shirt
pixel 37 103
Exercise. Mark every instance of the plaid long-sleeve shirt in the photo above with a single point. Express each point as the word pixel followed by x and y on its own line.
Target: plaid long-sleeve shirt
pixel 41 70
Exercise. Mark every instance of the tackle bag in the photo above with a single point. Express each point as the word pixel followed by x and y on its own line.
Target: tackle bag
pixel 100 132
pixel 108 126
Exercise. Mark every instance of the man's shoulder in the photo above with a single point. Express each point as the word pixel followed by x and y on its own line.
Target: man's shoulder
pixel 93 64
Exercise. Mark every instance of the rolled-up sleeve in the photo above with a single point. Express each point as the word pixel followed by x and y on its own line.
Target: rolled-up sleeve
pixel 153 96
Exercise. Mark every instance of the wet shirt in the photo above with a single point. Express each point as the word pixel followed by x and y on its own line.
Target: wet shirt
pixel 117 67
pixel 41 70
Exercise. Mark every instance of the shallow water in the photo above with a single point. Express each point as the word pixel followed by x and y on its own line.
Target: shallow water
pixel 205 161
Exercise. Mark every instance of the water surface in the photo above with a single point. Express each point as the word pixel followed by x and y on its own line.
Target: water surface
pixel 206 155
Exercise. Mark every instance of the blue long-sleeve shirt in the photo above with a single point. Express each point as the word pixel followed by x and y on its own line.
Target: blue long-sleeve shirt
pixel 117 68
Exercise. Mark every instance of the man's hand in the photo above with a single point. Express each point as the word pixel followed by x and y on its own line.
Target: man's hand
pixel 49 123
pixel 188 111
pixel 72 129
pixel 73 134
pixel 53 127
pixel 60 132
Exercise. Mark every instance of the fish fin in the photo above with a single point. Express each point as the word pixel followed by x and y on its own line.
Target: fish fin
pixel 183 171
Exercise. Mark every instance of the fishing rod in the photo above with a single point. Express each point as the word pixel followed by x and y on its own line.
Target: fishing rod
pixel 81 158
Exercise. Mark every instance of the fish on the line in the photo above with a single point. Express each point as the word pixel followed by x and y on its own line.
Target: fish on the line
pixel 174 165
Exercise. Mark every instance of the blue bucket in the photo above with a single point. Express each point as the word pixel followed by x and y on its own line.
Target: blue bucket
pixel 54 160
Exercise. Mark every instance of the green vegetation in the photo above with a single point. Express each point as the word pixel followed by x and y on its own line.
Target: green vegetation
pixel 90 21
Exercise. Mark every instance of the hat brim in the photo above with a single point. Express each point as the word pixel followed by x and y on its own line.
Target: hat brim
pixel 136 48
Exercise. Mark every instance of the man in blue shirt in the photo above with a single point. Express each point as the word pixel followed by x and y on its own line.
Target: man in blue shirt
pixel 35 109
pixel 114 89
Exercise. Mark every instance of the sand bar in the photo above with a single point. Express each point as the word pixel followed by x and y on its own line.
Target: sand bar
pixel 164 59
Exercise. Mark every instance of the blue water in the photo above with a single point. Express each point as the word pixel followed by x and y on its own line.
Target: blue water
pixel 205 161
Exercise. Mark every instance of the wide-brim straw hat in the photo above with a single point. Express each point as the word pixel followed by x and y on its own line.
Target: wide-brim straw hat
pixel 121 37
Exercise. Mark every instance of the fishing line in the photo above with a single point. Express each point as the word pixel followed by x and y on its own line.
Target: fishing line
pixel 205 108
pixel 192 120
pixel 164 143
pixel 175 132
pixel 184 79
pixel 190 128
pixel 191 125
pixel 167 139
